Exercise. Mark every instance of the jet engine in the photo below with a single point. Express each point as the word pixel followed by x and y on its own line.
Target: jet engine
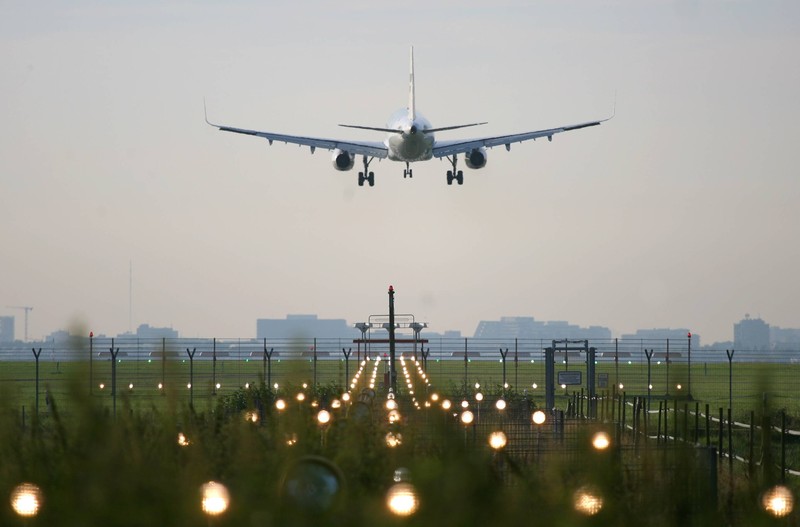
pixel 342 159
pixel 476 158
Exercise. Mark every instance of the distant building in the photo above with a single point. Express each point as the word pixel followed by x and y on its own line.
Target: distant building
pixel 529 328
pixel 784 338
pixel 304 326
pixel 145 331
pixel 751 334
pixel 680 334
pixel 6 329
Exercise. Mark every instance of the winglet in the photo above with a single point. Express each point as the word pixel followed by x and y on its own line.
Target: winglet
pixel 411 109
pixel 205 111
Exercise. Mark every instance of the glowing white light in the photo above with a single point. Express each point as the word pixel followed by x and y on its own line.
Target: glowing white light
pixel 336 403
pixel 188 386
pixel 346 396
pixel 434 397
pixel 160 386
pixel 215 498
pixel 300 397
pixel 778 501
pixel 467 417
pixel 465 404
pixel 280 404
pixel 497 440
pixel 324 417
pixel 26 499
pixel 679 386
pixel 601 441
pixel 446 404
pixel 621 386
pixel 182 441
pixel 587 501
pixel 479 397
pixel 500 404
pixel 102 385
pixel 402 499
pixel 538 417
pixel 534 386
pixel 218 386
pixel 393 440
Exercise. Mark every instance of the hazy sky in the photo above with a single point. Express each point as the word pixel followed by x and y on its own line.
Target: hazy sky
pixel 683 211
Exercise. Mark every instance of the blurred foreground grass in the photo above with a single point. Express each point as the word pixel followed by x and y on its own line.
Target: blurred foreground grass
pixel 97 469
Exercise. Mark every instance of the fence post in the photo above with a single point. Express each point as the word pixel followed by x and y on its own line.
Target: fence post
pixel 91 352
pixel 347 354
pixel 783 446
pixel 730 438
pixel 191 375
pixel 214 367
pixel 114 352
pixel 268 364
pixel 730 353
pixel 503 355
pixel 750 462
pixel 516 364
pixel 465 365
pixel 721 431
pixel 36 356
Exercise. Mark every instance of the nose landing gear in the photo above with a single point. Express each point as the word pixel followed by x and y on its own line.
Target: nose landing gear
pixel 407 171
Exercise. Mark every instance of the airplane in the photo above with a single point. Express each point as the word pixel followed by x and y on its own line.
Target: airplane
pixel 410 139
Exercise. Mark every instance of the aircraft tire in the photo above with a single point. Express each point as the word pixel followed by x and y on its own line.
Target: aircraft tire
pixel 460 177
pixel 361 179
pixel 371 179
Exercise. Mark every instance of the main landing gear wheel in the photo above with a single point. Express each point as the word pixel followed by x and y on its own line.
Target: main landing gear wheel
pixel 454 175
pixel 370 178
pixel 366 175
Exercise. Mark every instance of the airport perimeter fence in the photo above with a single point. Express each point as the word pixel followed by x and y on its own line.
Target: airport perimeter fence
pixel 200 369
pixel 649 391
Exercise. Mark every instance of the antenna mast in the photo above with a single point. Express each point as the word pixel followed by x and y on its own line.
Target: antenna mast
pixel 27 309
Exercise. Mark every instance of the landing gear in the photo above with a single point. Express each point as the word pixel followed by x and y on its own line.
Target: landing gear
pixel 407 172
pixel 454 175
pixel 366 175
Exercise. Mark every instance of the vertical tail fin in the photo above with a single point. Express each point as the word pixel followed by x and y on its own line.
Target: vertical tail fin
pixel 411 109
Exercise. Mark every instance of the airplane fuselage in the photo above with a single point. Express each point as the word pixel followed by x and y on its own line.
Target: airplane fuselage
pixel 412 144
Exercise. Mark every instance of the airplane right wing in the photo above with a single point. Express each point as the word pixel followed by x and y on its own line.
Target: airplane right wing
pixel 449 148
pixel 366 148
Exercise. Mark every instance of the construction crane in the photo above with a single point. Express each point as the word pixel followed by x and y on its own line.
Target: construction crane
pixel 27 309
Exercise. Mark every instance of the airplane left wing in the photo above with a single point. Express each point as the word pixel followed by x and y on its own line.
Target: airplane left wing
pixel 449 148
pixel 366 148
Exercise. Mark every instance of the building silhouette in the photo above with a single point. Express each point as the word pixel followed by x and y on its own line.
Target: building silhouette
pixel 529 328
pixel 304 326
pixel 6 329
pixel 751 334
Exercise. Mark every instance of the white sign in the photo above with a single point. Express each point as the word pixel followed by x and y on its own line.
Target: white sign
pixel 569 377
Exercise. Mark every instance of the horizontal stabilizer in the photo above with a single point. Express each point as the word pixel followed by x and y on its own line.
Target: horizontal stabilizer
pixel 373 128
pixel 443 128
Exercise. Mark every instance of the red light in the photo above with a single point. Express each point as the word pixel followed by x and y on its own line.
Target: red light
pixel 689 335
pixel 91 334
pixel 391 288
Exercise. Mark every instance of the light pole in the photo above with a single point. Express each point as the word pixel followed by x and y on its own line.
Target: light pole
pixel 417 327
pixel 392 372
pixel 363 327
